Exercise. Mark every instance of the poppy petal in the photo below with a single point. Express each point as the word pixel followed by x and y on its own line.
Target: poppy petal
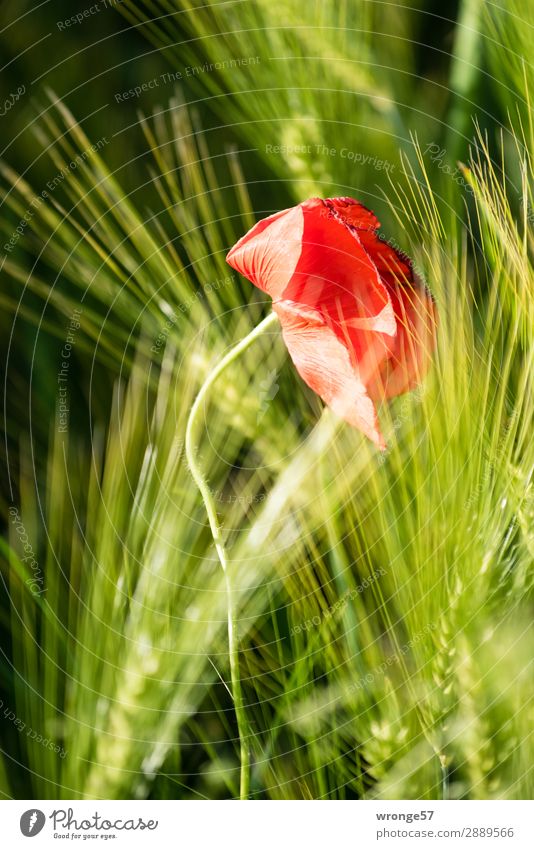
pixel 414 343
pixel 324 364
pixel 268 254
pixel 353 213
pixel 415 315
pixel 334 266
pixel 393 265
pixel 336 277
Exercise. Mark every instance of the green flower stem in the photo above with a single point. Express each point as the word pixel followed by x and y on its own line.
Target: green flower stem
pixel 193 424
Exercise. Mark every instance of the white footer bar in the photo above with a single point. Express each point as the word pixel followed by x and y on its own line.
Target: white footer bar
pixel 270 825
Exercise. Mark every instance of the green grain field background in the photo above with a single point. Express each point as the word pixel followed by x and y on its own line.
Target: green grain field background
pixel 384 602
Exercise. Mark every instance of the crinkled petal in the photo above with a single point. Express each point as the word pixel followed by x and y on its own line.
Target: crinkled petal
pixel 353 213
pixel 323 362
pixel 392 264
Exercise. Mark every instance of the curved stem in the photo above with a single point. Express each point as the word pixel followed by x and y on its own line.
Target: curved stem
pixel 211 510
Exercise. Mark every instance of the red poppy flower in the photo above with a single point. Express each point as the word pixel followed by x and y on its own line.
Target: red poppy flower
pixel 358 323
